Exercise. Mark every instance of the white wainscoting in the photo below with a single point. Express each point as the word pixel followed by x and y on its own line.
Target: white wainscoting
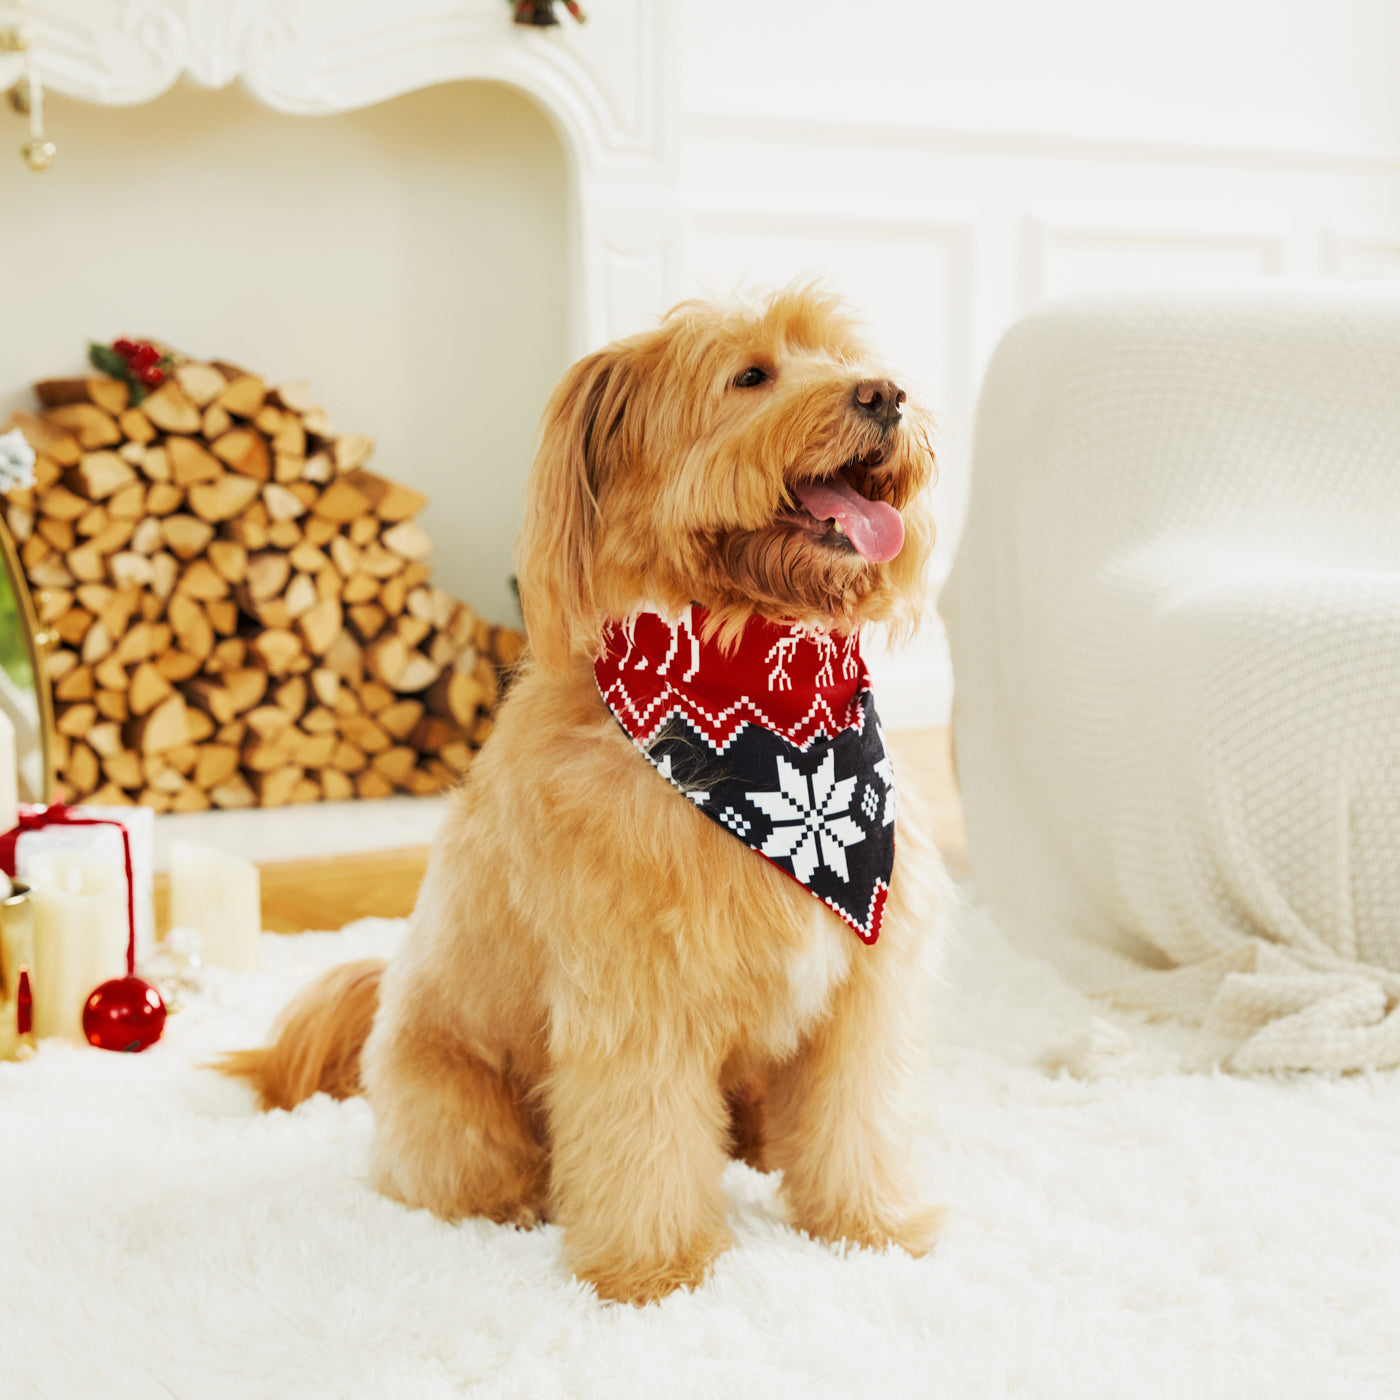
pixel 1059 260
pixel 947 178
pixel 1359 255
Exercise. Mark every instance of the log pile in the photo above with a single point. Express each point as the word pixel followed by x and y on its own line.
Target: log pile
pixel 240 612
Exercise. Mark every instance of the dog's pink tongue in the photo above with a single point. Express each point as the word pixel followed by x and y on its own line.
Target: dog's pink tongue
pixel 874 527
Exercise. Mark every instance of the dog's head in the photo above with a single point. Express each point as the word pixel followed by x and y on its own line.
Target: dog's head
pixel 753 461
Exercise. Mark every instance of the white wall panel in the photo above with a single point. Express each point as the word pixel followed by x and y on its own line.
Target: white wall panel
pixel 635 286
pixel 1252 74
pixel 1060 260
pixel 953 166
pixel 1360 255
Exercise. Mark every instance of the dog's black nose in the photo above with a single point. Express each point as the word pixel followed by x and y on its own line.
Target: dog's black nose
pixel 880 399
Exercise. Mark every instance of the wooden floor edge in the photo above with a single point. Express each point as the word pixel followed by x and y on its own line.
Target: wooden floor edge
pixel 327 892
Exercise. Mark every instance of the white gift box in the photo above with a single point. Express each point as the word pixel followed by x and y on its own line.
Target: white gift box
pixel 105 840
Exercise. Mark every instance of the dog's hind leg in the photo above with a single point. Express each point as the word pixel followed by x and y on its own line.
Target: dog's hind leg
pixel 452 1134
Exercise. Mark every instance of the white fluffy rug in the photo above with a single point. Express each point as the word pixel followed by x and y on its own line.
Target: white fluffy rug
pixel 1117 1229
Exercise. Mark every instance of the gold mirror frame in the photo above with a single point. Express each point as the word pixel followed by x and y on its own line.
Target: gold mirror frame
pixel 34 645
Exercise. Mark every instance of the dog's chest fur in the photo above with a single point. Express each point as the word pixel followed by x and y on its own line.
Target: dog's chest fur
pixel 817 967
pixel 809 970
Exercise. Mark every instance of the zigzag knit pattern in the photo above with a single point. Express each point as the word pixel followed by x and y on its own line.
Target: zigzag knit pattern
pixel 777 740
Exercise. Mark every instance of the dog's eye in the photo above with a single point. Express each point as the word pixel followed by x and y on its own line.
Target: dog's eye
pixel 751 378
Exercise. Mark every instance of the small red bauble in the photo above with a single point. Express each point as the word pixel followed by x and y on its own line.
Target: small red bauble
pixel 124 1014
pixel 152 375
pixel 124 347
pixel 143 356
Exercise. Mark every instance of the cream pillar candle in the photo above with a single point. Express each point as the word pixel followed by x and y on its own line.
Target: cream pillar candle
pixel 219 896
pixel 9 775
pixel 80 935
pixel 16 965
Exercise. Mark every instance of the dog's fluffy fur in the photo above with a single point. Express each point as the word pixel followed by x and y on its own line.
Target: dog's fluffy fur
pixel 602 994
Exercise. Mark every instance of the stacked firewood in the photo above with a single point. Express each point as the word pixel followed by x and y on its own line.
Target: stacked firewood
pixel 239 612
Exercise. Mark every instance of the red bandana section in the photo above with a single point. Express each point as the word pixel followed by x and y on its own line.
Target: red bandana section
pixel 791 681
pixel 777 740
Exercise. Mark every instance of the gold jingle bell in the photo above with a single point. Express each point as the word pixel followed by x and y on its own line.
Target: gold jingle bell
pixel 38 155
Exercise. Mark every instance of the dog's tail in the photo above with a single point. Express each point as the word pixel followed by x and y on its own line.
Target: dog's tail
pixel 317 1040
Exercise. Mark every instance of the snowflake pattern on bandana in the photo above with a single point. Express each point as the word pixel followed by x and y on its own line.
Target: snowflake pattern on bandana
pixel 777 741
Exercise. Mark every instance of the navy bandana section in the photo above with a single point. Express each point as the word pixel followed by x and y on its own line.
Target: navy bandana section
pixel 777 740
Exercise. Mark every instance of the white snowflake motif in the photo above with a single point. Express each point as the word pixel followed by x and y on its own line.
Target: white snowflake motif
pixel 885 768
pixel 869 802
pixel 738 824
pixel 811 822
pixel 16 461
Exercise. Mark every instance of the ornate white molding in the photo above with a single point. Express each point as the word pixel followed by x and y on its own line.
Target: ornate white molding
pixel 322 56
pixel 603 84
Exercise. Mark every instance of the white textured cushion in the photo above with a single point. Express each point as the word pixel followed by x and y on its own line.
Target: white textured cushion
pixel 1175 624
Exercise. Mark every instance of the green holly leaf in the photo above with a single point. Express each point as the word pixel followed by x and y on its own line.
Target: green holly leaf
pixel 106 359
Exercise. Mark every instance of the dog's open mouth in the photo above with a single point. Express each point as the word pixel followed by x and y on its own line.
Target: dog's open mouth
pixel 844 511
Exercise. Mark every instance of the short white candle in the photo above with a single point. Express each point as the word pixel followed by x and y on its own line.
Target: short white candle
pixel 220 896
pixel 9 775
pixel 80 935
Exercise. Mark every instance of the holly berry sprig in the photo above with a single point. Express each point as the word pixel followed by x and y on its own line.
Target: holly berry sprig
pixel 140 363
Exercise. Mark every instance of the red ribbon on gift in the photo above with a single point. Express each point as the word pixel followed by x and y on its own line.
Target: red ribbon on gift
pixel 57 814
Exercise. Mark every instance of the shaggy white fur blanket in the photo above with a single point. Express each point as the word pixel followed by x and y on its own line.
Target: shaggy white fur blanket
pixel 1117 1229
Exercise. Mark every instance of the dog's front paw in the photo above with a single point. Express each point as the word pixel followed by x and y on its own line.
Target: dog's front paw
pixel 624 1280
pixel 914 1230
pixel 917 1233
pixel 521 1200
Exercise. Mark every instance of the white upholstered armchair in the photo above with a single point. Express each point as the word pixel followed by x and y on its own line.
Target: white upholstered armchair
pixel 1175 624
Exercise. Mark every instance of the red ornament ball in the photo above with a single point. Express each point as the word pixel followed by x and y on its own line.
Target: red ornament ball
pixel 124 1014
pixel 125 348
pixel 152 375
pixel 143 356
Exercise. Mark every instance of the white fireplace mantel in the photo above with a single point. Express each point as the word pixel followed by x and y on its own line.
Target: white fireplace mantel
pixel 603 83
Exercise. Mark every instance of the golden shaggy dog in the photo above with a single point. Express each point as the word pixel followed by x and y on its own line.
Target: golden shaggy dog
pixel 602 993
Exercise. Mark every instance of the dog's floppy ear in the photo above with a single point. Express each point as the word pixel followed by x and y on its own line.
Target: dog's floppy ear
pixel 579 442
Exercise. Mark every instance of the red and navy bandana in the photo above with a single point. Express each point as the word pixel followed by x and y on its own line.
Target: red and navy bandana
pixel 777 741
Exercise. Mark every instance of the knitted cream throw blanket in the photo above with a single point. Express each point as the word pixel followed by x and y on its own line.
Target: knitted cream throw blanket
pixel 1175 623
